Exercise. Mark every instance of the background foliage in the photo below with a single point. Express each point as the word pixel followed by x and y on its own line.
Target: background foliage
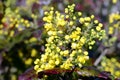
pixel 22 39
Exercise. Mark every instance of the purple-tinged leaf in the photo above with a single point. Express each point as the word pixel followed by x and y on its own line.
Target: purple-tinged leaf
pixel 28 75
pixel 105 75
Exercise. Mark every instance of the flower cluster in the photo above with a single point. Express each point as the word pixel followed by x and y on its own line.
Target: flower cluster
pixel 68 36
pixel 114 22
pixel 13 22
pixel 106 65
pixel 113 29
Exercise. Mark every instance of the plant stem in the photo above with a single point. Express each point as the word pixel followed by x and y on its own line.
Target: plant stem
pixel 100 57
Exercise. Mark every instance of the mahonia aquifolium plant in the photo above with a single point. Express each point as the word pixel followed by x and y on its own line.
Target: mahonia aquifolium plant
pixel 68 34
pixel 107 65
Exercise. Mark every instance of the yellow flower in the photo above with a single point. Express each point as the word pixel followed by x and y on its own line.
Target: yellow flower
pixel 33 53
pixel 45 12
pixel 22 20
pixel 16 25
pixel 117 73
pixel 36 67
pixel 100 24
pixel 58 49
pixel 1 31
pixel 39 70
pixel 111 30
pixel 66 66
pixel 50 33
pixel 28 61
pixel 61 66
pixel 33 39
pixel 11 19
pixel 92 16
pixel 82 39
pixel 81 59
pixel 60 31
pixel 78 29
pixel 50 39
pixel 36 61
pixel 86 24
pixel 114 1
pixel 67 37
pixel 28 25
pixel 48 19
pixel 74 17
pixel 51 62
pixel 86 57
pixel 61 53
pixel 67 16
pixel 66 52
pixel 42 66
pixel 75 35
pixel 86 53
pixel 60 43
pixel 66 10
pixel 74 46
pixel 1 26
pixel 98 28
pixel 48 26
pixel 26 21
pixel 73 53
pixel 79 13
pixel 57 62
pixel 87 19
pixel 71 23
pixel 96 21
pixel 20 53
pixel 103 64
pixel 49 66
pixel 80 65
pixel 81 20
pixel 61 22
pixel 44 56
pixel 4 20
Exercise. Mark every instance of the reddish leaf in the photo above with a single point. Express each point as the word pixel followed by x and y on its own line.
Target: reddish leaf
pixel 28 75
